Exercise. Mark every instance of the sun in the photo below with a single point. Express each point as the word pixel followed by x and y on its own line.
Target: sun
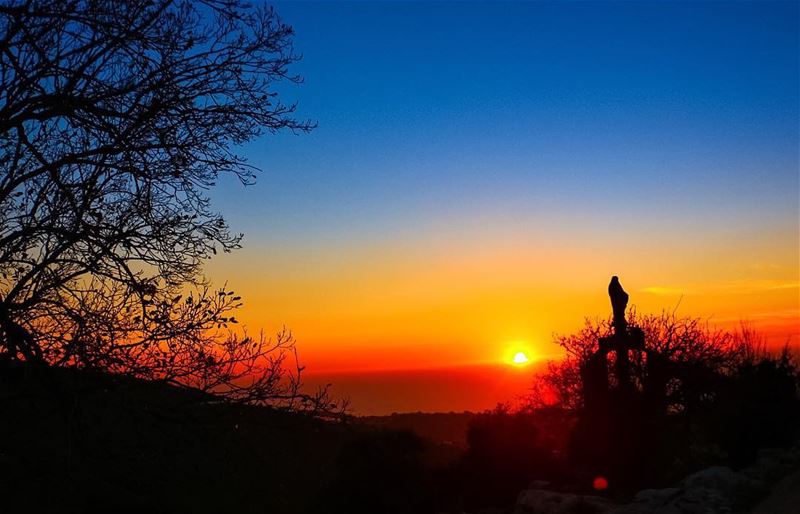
pixel 520 359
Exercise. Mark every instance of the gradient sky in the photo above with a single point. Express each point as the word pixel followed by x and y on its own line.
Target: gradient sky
pixel 480 170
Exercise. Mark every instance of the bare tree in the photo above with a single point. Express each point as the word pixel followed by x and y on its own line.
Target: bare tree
pixel 689 346
pixel 116 117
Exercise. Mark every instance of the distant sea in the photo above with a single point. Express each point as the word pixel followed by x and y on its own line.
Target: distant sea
pixel 453 389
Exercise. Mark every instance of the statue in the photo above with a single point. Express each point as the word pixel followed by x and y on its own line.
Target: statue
pixel 620 343
pixel 619 302
pixel 620 408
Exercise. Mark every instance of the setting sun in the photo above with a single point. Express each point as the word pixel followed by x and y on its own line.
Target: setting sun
pixel 520 358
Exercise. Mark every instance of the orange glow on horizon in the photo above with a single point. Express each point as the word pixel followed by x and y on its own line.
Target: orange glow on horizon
pixel 434 301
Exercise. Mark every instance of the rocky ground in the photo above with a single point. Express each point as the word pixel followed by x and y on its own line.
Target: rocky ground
pixel 771 486
pixel 784 497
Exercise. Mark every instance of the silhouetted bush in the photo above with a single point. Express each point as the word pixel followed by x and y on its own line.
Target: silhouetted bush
pixel 756 406
pixel 506 451
pixel 378 471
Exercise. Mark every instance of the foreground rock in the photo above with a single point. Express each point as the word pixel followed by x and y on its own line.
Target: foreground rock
pixel 541 501
pixel 784 497
pixel 715 490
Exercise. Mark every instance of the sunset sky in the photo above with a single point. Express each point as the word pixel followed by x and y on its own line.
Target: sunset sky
pixel 480 170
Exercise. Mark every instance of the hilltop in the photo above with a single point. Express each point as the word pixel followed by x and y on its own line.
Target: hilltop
pixel 78 441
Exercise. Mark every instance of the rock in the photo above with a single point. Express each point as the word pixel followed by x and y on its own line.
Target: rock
pixel 735 487
pixel 701 500
pixel 719 478
pixel 783 499
pixel 655 498
pixel 539 501
pixel 677 501
pixel 772 464
pixel 716 490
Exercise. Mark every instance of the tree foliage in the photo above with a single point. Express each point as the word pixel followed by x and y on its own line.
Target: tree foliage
pixel 115 120
pixel 694 350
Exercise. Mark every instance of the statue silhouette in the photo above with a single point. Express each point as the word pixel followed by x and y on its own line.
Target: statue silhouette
pixel 616 420
pixel 619 302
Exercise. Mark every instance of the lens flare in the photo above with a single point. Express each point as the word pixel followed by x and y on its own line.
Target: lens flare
pixel 600 484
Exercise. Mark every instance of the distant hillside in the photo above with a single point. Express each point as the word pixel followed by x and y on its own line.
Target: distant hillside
pixel 443 427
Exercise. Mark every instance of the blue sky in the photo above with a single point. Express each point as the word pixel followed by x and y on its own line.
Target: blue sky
pixel 433 112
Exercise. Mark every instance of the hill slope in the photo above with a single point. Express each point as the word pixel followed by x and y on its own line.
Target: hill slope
pixel 74 441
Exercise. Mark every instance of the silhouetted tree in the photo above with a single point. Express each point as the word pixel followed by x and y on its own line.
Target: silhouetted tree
pixel 693 351
pixel 116 117
pixel 699 397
